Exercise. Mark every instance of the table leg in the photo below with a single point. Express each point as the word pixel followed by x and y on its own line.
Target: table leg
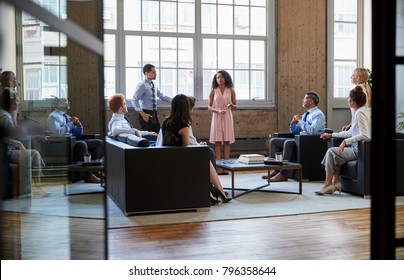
pixel 232 183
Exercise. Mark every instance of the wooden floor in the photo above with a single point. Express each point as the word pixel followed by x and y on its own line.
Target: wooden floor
pixel 337 235
pixel 341 235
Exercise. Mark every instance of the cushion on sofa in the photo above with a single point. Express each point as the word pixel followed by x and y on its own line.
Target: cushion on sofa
pixel 123 137
pixel 137 141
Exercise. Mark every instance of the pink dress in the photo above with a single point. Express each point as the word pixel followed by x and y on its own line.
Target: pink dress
pixel 222 128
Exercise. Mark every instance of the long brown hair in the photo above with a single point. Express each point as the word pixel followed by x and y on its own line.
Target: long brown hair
pixel 180 112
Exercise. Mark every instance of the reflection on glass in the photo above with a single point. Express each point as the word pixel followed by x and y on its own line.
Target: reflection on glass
pixel 399 92
pixel 400 28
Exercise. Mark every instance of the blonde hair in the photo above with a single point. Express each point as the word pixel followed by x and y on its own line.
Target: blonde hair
pixel 363 76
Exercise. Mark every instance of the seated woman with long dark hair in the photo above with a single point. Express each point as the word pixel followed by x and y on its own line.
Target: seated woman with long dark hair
pixel 175 130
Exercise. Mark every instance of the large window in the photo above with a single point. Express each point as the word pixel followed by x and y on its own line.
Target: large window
pixel 188 41
pixel 45 75
pixel 347 43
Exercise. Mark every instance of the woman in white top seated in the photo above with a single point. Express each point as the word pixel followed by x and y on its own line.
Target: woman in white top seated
pixel 348 150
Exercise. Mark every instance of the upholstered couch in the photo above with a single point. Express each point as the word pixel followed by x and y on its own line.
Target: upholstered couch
pixel 156 179
pixel 355 175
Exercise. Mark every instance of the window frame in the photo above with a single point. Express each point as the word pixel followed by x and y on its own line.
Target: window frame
pixel 270 68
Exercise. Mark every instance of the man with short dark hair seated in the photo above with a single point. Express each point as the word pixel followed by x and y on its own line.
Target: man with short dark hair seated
pixel 310 123
pixel 61 124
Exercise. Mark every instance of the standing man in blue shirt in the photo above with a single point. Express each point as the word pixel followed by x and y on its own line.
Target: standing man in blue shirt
pixel 312 122
pixel 145 102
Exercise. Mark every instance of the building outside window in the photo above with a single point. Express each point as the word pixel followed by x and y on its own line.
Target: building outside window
pixel 45 75
pixel 189 41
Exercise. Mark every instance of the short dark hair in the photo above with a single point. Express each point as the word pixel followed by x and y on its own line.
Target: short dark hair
pixel 313 96
pixel 147 68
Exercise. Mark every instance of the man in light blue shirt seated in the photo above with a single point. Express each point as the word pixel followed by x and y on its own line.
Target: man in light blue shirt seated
pixel 61 124
pixel 312 122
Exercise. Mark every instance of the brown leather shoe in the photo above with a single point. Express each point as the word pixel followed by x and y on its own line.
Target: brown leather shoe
pixel 272 174
pixel 279 178
pixel 92 179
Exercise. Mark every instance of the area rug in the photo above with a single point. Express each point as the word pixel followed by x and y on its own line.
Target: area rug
pixel 252 205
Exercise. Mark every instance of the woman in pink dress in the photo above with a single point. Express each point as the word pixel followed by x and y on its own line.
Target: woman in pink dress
pixel 222 99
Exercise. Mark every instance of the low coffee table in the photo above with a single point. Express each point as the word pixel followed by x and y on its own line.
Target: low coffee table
pixel 233 166
pixel 80 167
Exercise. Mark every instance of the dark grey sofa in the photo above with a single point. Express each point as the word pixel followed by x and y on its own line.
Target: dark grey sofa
pixel 157 179
pixel 355 174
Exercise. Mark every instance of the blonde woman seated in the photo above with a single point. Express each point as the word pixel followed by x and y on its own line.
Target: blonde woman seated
pixel 348 150
pixel 118 123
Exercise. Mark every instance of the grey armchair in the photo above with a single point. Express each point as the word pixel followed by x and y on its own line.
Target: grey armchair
pixel 355 174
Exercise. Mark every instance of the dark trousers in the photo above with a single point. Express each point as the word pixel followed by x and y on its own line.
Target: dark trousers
pixel 284 145
pixel 94 147
pixel 153 124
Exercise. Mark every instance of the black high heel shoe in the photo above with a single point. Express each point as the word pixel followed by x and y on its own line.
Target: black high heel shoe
pixel 223 197
pixel 213 196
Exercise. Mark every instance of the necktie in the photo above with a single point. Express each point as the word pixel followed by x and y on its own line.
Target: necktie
pixel 66 118
pixel 153 96
pixel 128 122
pixel 305 116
